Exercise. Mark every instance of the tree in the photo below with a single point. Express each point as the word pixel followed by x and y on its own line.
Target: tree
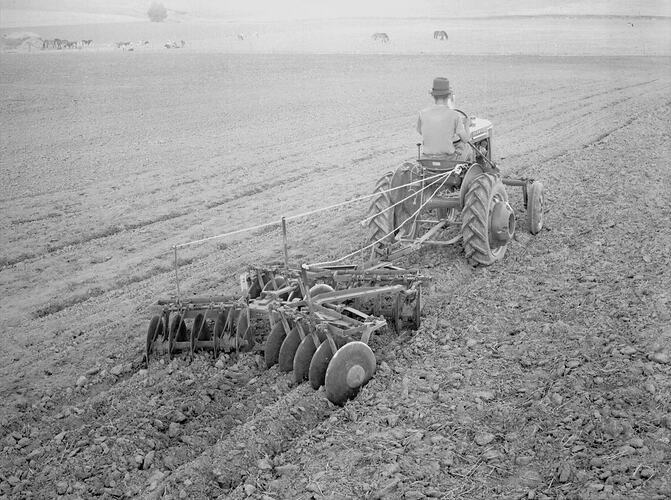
pixel 157 12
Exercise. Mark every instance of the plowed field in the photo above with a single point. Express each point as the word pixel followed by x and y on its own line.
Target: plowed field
pixel 546 375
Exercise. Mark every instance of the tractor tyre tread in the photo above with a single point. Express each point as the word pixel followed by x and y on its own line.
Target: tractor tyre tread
pixel 475 220
pixel 381 223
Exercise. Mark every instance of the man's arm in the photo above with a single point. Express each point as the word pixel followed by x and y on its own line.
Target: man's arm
pixel 463 133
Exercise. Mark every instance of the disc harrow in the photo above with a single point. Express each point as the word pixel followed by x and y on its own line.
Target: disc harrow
pixel 316 322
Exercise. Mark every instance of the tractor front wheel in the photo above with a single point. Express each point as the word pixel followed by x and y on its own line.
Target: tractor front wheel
pixel 535 207
pixel 488 222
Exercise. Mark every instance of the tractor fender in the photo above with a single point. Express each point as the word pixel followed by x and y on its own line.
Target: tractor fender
pixel 405 174
pixel 405 213
pixel 474 171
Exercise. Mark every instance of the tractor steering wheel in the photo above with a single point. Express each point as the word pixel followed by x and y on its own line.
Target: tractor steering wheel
pixel 467 126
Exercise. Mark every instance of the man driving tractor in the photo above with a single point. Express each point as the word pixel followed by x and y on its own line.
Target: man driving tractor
pixel 445 134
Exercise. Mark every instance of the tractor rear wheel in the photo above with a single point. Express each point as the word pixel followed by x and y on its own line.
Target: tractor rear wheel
pixel 487 220
pixel 381 223
pixel 405 213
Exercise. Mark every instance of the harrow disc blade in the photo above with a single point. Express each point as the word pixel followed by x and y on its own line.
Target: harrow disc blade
pixel 178 333
pixel 349 370
pixel 288 350
pixel 320 362
pixel 155 329
pixel 273 344
pixel 245 332
pixel 304 354
pixel 200 330
pixel 219 326
pixel 180 330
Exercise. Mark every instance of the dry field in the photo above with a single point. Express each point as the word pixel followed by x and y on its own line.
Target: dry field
pixel 544 376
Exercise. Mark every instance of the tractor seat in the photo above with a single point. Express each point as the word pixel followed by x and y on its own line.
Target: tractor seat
pixel 439 164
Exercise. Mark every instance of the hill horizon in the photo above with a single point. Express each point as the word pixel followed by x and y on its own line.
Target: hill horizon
pixel 28 13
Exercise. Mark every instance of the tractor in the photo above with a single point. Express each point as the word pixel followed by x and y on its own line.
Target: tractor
pixel 442 201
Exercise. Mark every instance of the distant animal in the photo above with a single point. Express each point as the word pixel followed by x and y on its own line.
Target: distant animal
pixel 241 36
pixel 380 37
pixel 439 35
pixel 86 43
pixel 124 45
pixel 631 24
pixel 170 44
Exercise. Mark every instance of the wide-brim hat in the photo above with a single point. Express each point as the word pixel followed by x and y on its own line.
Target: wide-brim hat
pixel 441 87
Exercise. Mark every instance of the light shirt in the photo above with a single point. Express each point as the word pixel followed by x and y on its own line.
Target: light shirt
pixel 439 126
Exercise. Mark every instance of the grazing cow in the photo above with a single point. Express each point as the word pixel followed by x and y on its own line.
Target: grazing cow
pixel 439 35
pixel 380 37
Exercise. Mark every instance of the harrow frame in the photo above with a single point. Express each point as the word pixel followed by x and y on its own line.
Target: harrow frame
pixel 304 317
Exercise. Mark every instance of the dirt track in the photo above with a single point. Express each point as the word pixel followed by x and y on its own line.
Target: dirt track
pixel 560 352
